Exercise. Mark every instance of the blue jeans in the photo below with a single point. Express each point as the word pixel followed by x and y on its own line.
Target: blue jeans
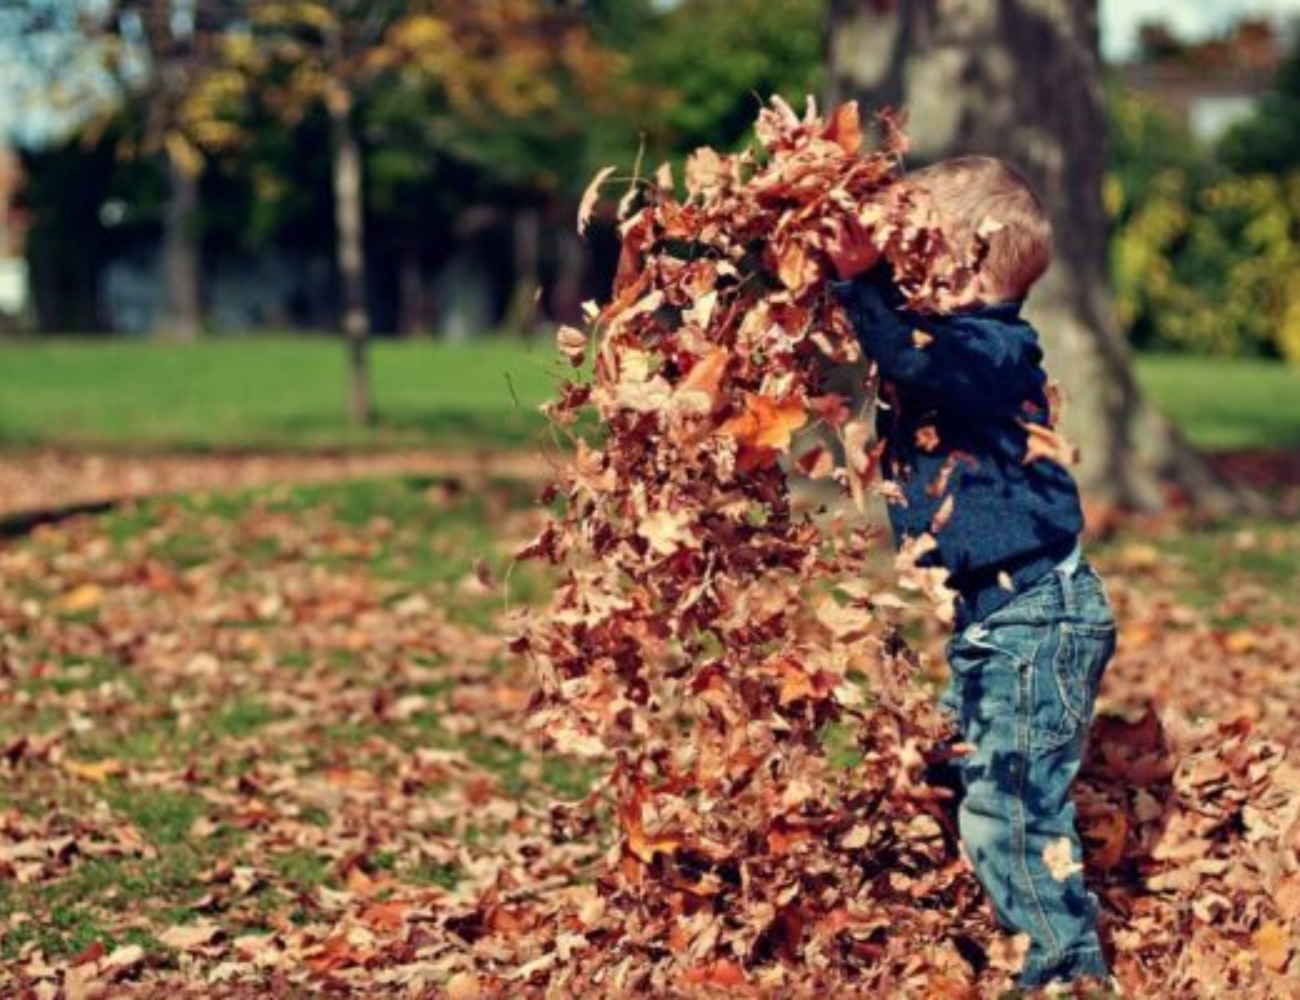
pixel 1023 686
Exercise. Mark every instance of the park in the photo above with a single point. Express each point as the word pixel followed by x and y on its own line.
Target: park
pixel 443 545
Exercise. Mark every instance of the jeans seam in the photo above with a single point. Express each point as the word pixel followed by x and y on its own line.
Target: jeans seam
pixel 1022 826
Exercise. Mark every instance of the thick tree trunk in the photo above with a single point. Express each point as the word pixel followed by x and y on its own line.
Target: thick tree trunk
pixel 181 311
pixel 350 249
pixel 1021 80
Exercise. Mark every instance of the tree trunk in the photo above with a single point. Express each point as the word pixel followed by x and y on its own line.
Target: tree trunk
pixel 181 313
pixel 1021 80
pixel 350 249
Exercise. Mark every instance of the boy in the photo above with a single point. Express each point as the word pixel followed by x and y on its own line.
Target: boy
pixel 961 390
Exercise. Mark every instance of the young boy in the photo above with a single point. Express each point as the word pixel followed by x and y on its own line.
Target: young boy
pixel 960 393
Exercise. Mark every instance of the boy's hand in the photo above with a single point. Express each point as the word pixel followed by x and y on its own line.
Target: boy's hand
pixel 852 249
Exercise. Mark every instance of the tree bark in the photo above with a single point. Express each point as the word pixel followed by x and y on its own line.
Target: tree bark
pixel 180 316
pixel 1020 79
pixel 350 251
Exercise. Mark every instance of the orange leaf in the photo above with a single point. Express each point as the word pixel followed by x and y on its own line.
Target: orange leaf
pixel 1272 943
pixel 845 127
pixel 387 916
pixel 780 841
pixel 794 267
pixel 767 423
pixel 1108 832
pixel 82 598
pixel 97 771
pixel 637 842
pixel 1046 443
pixel 706 375
pixel 723 972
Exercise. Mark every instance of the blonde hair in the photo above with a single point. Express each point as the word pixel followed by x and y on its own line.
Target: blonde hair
pixel 973 191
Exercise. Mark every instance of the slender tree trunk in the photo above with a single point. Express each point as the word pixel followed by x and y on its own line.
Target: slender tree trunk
pixel 521 312
pixel 181 314
pixel 350 248
pixel 1021 80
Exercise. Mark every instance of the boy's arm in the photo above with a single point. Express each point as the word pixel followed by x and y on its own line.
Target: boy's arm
pixel 973 367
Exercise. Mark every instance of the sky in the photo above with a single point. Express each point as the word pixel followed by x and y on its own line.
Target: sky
pixel 1189 18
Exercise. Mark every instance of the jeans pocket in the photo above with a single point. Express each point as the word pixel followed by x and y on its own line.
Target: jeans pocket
pixel 1065 682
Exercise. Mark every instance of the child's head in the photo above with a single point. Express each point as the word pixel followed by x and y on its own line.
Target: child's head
pixel 970 191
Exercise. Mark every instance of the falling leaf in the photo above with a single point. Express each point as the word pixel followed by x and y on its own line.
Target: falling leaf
pixel 943 515
pixel 483 573
pixel 667 530
pixel 1042 442
pixel 573 344
pixel 927 438
pixel 767 424
pixel 1059 859
pixel 845 127
pixel 589 197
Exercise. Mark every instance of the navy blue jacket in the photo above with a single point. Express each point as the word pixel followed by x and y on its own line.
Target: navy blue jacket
pixel 953 398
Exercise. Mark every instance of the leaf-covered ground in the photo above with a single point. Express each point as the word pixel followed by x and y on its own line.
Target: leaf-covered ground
pixel 258 743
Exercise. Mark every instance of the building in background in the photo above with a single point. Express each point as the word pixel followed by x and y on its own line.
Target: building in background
pixel 14 288
pixel 1211 85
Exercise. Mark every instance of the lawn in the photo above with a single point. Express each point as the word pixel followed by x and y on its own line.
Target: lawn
pixel 286 393
pixel 1227 403
pixel 259 739
pixel 268 393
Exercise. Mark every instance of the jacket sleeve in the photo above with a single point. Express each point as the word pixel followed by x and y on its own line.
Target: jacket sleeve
pixel 972 362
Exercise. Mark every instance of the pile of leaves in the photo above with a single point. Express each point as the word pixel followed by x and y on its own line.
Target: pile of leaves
pixel 712 639
pixel 763 722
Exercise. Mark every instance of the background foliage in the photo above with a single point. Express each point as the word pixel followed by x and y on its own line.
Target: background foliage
pixel 1206 247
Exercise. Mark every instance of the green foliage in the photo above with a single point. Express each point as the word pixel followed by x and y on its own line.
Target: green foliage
pixel 1270 141
pixel 717 63
pixel 1205 257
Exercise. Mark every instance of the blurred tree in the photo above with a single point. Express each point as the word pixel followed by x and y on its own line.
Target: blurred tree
pixel 1204 258
pixel 716 63
pixel 153 54
pixel 1022 81
pixel 1269 141
pixel 412 89
pixel 534 101
pixel 292 57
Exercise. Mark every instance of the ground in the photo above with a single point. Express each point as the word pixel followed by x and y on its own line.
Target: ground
pixel 259 735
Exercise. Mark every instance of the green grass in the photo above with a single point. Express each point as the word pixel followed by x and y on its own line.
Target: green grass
pixel 1227 403
pixel 268 392
pixel 288 392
